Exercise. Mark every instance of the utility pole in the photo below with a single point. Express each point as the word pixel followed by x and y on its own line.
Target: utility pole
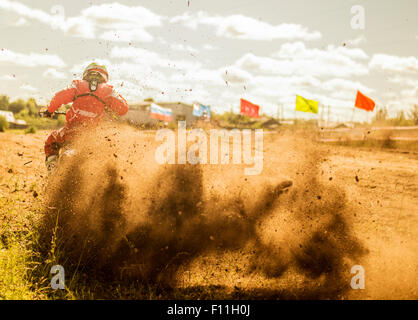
pixel 320 114
pixel 328 117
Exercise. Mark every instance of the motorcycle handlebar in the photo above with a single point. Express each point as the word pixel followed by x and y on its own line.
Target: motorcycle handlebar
pixel 43 113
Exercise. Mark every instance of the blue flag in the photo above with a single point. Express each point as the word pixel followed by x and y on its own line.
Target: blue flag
pixel 199 110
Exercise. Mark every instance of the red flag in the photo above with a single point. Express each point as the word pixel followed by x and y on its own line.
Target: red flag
pixel 249 109
pixel 364 102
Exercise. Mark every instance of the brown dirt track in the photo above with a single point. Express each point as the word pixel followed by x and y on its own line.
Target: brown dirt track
pixel 346 206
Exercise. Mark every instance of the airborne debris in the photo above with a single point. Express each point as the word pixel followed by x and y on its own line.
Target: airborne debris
pixel 177 208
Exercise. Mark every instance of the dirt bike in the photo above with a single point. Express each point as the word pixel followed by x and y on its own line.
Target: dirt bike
pixel 52 161
pixel 43 113
pixel 64 149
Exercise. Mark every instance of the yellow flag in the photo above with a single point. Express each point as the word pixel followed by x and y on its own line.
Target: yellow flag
pixel 306 105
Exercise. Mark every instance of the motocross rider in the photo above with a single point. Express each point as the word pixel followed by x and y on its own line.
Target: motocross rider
pixel 91 97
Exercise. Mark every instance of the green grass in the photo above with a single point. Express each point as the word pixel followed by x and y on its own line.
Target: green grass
pixel 23 273
pixel 4 125
pixel 30 130
pixel 17 268
pixel 45 123
pixel 13 273
pixel 17 260
pixel 16 131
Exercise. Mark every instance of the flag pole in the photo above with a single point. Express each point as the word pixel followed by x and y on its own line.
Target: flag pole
pixel 294 117
pixel 320 115
pixel 352 116
pixel 371 118
pixel 328 117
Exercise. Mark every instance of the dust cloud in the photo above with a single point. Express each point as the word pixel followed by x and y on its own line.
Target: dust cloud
pixel 113 213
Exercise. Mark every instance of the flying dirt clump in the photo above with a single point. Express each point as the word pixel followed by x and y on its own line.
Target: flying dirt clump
pixel 112 211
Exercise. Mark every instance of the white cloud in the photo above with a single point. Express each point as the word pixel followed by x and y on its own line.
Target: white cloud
pixel 390 95
pixel 322 75
pixel 410 93
pixel 182 47
pixel 296 59
pixel 21 22
pixel 191 77
pixel 30 60
pixel 394 63
pixel 236 75
pixel 284 89
pixel 208 46
pixel 404 81
pixel 150 58
pixel 333 54
pixel 7 78
pixel 110 18
pixel 356 41
pixel 243 27
pixel 26 11
pixel 28 87
pixel 138 54
pixel 340 85
pixel 127 35
pixel 53 73
pixel 293 70
pixel 166 78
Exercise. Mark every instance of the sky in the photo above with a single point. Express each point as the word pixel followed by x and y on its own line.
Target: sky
pixel 216 52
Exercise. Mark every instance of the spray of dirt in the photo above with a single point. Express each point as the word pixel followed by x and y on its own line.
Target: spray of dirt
pixel 112 211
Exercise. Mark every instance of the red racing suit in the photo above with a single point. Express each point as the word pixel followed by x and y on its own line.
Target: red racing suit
pixel 89 107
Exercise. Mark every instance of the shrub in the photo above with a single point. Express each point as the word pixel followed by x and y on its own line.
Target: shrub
pixel 4 102
pixel 414 114
pixel 3 124
pixel 61 121
pixel 17 106
pixel 31 129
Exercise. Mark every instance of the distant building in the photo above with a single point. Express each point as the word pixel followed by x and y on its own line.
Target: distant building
pixel 8 115
pixel 10 118
pixel 287 122
pixel 270 124
pixel 139 113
